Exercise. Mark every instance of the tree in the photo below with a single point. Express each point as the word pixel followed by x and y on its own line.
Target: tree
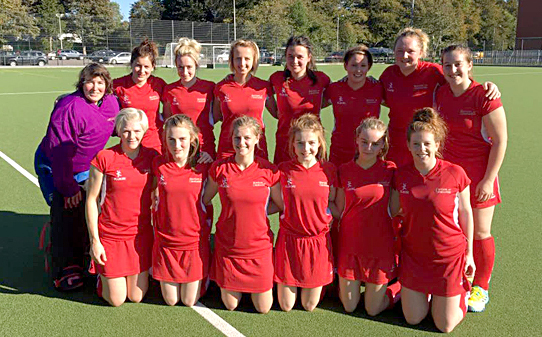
pixel 185 10
pixel 385 18
pixel 48 22
pixel 147 9
pixel 15 20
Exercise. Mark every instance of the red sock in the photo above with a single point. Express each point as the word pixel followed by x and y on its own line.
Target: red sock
pixel 394 294
pixel 484 259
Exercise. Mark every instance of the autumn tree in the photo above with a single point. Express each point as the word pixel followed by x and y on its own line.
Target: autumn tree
pixel 16 21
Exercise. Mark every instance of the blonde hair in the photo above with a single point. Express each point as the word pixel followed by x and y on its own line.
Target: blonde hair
pixel 128 115
pixel 249 122
pixel 188 47
pixel 183 121
pixel 427 119
pixel 373 123
pixel 255 54
pixel 420 35
pixel 308 122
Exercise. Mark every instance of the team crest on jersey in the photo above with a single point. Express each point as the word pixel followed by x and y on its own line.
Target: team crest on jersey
pixel 467 112
pixel 349 186
pixel 283 93
pixel 341 101
pixel 195 180
pixel 154 98
pixel 390 87
pixel 126 99
pixel 257 96
pixel 323 183
pixel 118 176
pixel 224 183
pixel 420 86
pixel 289 183
pixel 258 184
pixel 175 102
pixel 201 100
pixel 371 101
pixel 314 92
pixel 162 180
pixel 226 98
pixel 404 189
pixel 443 190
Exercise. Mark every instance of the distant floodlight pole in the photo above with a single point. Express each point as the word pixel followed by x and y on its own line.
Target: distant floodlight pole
pixel 59 28
pixel 234 23
pixel 412 14
pixel 338 16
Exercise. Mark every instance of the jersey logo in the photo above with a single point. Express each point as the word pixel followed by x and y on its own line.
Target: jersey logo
pixel 194 180
pixel 323 183
pixel 466 112
pixel 341 101
pixel 404 189
pixel 201 100
pixel 371 101
pixel 126 99
pixel 224 183
pixel 283 93
pixel 314 92
pixel 420 86
pixel 289 183
pixel 349 186
pixel 257 96
pixel 162 180
pixel 258 183
pixel 154 98
pixel 175 102
pixel 390 87
pixel 226 99
pixel 118 176
pixel 443 190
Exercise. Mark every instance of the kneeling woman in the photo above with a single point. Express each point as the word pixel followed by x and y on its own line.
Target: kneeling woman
pixel 436 254
pixel 121 235
pixel 181 252
pixel 243 256
pixel 303 254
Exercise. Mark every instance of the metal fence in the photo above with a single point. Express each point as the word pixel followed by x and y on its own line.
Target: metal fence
pixel 511 57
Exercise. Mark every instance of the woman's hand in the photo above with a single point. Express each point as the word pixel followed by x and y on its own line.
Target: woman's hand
pixel 492 91
pixel 205 158
pixel 470 268
pixel 72 202
pixel 484 190
pixel 97 252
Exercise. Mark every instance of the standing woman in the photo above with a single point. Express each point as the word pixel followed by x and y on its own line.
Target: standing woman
pixel 299 89
pixel 192 96
pixel 121 234
pixel 181 252
pixel 141 90
pixel 366 237
pixel 409 85
pixel 436 253
pixel 242 94
pixel 477 142
pixel 353 101
pixel 80 126
pixel 303 253
pixel 243 256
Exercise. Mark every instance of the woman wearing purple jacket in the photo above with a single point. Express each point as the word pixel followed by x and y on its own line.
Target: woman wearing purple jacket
pixel 80 126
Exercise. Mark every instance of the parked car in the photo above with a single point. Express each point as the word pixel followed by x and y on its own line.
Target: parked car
pixel 67 54
pixel 28 57
pixel 120 58
pixel 5 56
pixel 102 56
pixel 267 57
pixel 336 56
pixel 51 55
pixel 223 56
pixel 381 52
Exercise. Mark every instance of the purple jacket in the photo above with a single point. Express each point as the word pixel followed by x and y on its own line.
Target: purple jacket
pixel 76 132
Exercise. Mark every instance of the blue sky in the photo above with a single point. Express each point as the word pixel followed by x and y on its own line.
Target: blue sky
pixel 125 7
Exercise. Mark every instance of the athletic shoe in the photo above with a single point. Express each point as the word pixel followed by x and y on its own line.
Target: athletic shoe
pixel 478 299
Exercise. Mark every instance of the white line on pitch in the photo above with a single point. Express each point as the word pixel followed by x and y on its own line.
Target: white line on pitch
pixel 200 308
pixel 21 170
pixel 32 92
pixel 505 74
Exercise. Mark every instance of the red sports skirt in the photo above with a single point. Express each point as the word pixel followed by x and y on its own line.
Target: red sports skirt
pixel 180 266
pixel 245 275
pixel 305 262
pixel 366 269
pixel 125 258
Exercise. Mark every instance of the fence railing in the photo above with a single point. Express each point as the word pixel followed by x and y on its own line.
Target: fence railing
pixel 511 57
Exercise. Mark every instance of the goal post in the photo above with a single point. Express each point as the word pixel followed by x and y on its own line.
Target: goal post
pixel 208 55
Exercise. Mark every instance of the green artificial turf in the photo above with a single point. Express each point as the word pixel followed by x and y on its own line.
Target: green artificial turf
pixel 29 306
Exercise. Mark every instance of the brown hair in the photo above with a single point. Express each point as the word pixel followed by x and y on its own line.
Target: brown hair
pixel 308 122
pixel 94 70
pixel 420 35
pixel 183 121
pixel 359 50
pixel 373 123
pixel 460 48
pixel 247 121
pixel 188 47
pixel 255 54
pixel 302 41
pixel 427 119
pixel 145 49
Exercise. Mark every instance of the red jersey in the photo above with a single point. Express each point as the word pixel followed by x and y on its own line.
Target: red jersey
pixel 146 98
pixel 126 206
pixel 467 139
pixel 365 225
pixel 404 95
pixel 197 103
pixel 295 98
pixel 243 228
pixel 306 197
pixel 239 100
pixel 350 107
pixel 181 214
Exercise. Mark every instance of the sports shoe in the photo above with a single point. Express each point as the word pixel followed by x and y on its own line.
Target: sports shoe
pixel 478 299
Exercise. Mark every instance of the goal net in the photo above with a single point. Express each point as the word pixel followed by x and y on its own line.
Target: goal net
pixel 211 54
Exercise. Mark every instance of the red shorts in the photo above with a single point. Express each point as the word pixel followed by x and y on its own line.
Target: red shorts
pixel 491 202
pixel 125 258
pixel 305 262
pixel 476 169
pixel 370 270
pixel 245 275
pixel 180 266
pixel 441 278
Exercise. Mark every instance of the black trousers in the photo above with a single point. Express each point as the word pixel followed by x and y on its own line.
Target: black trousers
pixel 69 235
